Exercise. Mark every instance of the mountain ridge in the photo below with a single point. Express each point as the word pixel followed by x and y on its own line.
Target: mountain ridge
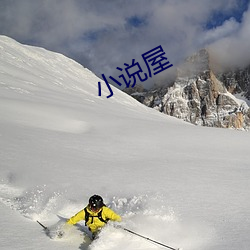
pixel 202 95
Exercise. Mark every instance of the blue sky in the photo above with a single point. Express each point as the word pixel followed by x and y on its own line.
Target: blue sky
pixel 218 17
pixel 103 35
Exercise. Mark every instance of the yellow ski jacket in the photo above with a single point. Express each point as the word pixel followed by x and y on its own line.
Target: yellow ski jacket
pixel 94 223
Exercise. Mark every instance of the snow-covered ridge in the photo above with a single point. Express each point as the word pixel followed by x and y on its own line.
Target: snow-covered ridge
pixel 35 67
pixel 33 74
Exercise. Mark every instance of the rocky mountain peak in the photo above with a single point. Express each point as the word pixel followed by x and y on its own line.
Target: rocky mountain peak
pixel 202 97
pixel 197 64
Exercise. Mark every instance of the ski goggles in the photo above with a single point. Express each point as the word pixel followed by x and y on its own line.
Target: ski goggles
pixel 94 208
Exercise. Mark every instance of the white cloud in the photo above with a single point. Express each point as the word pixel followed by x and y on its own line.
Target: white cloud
pixel 233 50
pixel 228 28
pixel 98 34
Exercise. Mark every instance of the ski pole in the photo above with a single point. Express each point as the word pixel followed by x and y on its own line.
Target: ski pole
pixel 45 228
pixel 146 238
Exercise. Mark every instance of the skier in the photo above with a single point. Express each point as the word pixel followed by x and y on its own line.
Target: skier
pixel 95 214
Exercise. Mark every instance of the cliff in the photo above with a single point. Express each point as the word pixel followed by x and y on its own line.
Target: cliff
pixel 201 96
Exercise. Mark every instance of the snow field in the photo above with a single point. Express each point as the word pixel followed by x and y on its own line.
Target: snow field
pixel 60 143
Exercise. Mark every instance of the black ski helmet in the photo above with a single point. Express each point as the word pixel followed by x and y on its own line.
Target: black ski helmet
pixel 96 202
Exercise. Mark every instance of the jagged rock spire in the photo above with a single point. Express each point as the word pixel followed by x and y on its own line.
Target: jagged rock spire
pixel 200 96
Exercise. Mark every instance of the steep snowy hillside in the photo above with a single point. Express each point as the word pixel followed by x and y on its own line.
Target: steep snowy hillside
pixel 179 184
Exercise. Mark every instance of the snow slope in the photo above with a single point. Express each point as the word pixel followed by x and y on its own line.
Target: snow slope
pixel 176 183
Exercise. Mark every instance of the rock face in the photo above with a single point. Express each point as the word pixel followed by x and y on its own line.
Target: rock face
pixel 201 97
pixel 237 81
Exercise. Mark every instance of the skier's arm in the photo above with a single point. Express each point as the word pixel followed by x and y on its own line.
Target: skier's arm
pixel 77 217
pixel 110 214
